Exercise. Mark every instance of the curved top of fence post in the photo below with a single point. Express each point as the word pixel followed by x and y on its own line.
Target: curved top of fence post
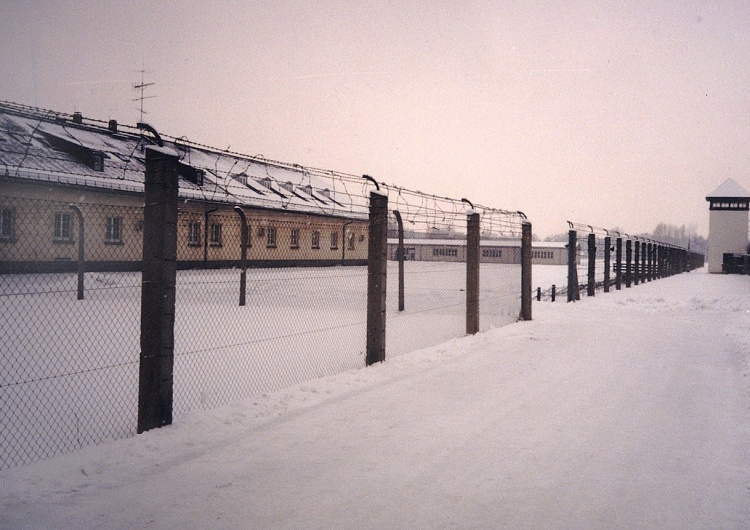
pixel 146 127
pixel 77 210
pixel 368 177
pixel 467 201
pixel 240 211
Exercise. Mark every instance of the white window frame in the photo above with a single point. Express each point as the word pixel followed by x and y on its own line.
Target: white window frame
pixel 294 238
pixel 271 237
pixel 63 229
pixel 194 234
pixel 214 235
pixel 113 230
pixel 315 240
pixel 334 240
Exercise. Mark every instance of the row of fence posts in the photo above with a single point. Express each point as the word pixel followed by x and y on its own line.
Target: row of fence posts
pixel 645 260
pixel 160 274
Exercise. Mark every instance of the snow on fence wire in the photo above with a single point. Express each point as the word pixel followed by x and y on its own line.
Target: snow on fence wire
pixel 600 259
pixel 263 300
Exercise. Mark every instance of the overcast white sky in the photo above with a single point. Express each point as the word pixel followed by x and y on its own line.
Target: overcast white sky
pixel 607 113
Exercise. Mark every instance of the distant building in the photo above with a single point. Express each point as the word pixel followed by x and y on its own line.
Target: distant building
pixel 491 251
pixel 728 223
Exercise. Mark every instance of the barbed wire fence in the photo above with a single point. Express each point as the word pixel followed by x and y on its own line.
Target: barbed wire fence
pixel 602 260
pixel 266 296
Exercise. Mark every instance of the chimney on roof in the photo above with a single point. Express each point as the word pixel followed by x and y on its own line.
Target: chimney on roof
pixel 113 126
pixel 77 117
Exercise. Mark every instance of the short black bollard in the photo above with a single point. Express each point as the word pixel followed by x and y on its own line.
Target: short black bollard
pixel 538 294
pixel 553 292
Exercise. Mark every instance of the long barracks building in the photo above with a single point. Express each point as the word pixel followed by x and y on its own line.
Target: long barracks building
pixel 50 161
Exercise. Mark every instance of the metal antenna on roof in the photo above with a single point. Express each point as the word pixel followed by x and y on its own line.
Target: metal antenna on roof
pixel 142 87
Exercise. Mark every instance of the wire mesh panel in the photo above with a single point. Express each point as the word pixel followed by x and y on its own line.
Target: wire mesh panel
pixel 69 375
pixel 500 268
pixel 434 277
pixel 434 233
pixel 435 305
pixel 298 322
pixel 590 259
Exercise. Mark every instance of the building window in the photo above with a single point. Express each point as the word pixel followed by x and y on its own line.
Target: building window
pixel 7 224
pixel 350 241
pixel 334 240
pixel 194 234
pixel 445 252
pixel 214 235
pixel 63 227
pixel 113 233
pixel 492 253
pixel 97 161
pixel 271 237
pixel 315 239
pixel 294 238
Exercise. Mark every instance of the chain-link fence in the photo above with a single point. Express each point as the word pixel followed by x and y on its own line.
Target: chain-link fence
pixel 69 375
pixel 272 286
pixel 427 291
pixel 296 323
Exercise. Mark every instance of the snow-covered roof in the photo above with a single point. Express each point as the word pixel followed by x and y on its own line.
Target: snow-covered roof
pixel 47 146
pixel 729 190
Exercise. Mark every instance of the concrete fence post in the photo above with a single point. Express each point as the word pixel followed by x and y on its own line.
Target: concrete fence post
pixel 636 262
pixel 526 271
pixel 657 262
pixel 618 264
pixel 243 254
pixel 607 260
pixel 158 290
pixel 628 261
pixel 591 283
pixel 572 266
pixel 472 273
pixel 377 272
pixel 401 253
pixel 81 252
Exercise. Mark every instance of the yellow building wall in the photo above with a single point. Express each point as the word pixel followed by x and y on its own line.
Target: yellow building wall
pixel 34 207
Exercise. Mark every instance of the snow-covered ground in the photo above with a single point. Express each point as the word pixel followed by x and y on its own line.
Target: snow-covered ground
pixel 70 371
pixel 626 410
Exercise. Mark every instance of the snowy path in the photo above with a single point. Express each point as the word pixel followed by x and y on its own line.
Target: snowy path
pixel 629 410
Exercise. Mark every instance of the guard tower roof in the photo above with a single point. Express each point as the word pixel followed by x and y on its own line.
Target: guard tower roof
pixel 728 190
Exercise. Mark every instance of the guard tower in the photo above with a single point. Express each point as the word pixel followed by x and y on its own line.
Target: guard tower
pixel 727 223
